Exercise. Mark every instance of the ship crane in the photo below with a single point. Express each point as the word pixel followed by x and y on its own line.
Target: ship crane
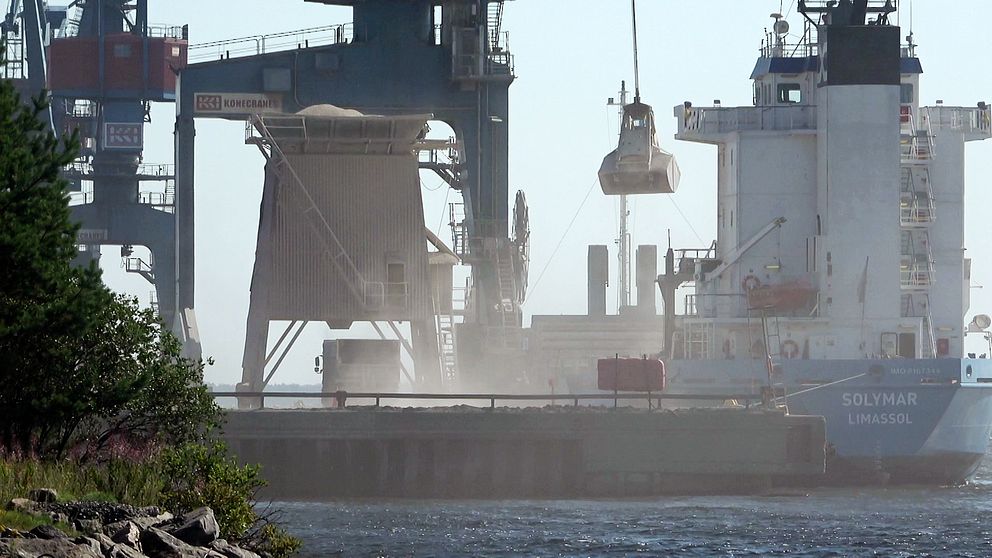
pixel 638 165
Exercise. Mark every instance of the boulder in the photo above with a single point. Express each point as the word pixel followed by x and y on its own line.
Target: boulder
pixel 48 532
pixel 123 551
pixel 89 526
pixel 58 517
pixel 198 527
pixel 37 548
pixel 128 534
pixel 144 522
pixel 156 543
pixel 228 550
pixel 105 543
pixel 90 543
pixel 22 505
pixel 44 495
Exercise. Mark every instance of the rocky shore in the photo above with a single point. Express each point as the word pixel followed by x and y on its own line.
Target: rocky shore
pixel 108 530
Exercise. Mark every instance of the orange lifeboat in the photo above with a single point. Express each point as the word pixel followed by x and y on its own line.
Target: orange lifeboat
pixel 785 296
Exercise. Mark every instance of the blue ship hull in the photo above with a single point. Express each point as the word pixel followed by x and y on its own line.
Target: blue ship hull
pixel 900 421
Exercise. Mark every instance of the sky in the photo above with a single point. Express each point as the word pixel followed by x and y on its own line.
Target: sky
pixel 570 57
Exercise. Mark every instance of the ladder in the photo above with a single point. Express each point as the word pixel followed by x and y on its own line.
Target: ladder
pixel 928 349
pixel 459 233
pixel 772 336
pixel 446 346
pixel 494 20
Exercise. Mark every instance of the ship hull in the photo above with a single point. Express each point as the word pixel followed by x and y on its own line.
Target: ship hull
pixel 888 421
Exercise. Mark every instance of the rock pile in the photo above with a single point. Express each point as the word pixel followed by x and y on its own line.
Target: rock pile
pixel 114 531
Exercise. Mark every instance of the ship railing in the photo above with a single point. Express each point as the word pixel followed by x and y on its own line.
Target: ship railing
pixel 167 31
pixel 974 121
pixel 165 201
pixel 699 121
pixel 378 294
pixel 714 305
pixel 274 42
pixel 917 275
pixel 341 399
pixel 916 210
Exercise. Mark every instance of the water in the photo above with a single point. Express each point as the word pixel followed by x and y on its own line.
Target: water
pixel 827 522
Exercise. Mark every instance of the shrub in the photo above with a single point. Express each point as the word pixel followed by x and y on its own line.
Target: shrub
pixel 206 476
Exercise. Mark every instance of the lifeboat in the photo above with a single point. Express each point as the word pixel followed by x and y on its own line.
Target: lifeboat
pixel 786 296
pixel 638 165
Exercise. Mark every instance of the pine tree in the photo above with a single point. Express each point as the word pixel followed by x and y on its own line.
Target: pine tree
pixel 77 363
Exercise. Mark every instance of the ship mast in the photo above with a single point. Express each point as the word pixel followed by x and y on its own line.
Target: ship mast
pixel 623 240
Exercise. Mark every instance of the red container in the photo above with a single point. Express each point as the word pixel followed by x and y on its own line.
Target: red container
pixel 631 374
pixel 74 66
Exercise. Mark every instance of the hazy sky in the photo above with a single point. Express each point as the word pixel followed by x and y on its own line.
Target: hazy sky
pixel 570 56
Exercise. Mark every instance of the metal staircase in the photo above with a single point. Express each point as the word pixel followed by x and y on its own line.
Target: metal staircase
pixel 141 267
pixel 916 213
pixel 446 348
pixel 772 336
pixel 459 232
pixel 917 305
pixel 916 197
pixel 494 20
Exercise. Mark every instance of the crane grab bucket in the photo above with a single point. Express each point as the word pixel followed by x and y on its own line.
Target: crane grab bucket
pixel 638 165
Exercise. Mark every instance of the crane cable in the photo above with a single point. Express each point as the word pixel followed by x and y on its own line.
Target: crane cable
pixel 637 75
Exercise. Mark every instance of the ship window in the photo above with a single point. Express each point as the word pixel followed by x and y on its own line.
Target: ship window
pixel 906 94
pixel 122 51
pixel 790 93
pixel 757 93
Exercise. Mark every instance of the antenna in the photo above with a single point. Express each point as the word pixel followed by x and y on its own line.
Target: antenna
pixel 637 75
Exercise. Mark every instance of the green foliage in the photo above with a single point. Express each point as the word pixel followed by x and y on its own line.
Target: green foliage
pixel 77 363
pixel 26 522
pixel 44 301
pixel 135 482
pixel 206 476
pixel 276 542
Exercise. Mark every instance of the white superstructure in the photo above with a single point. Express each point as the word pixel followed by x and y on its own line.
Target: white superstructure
pixel 840 207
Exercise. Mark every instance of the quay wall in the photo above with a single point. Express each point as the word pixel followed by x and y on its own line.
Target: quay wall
pixel 505 453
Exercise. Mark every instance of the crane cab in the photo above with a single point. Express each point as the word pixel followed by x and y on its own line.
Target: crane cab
pixel 638 165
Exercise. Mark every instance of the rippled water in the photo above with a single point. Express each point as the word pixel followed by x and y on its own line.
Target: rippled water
pixel 828 522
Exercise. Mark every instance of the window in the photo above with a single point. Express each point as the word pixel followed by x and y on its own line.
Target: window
pixel 757 93
pixel 790 93
pixel 907 94
pixel 122 51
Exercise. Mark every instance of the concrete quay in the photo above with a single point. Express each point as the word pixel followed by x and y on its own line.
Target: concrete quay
pixel 465 452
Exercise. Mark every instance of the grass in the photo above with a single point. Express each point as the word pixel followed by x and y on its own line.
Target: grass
pixel 136 483
pixel 26 522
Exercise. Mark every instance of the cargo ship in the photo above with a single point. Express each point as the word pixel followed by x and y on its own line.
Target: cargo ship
pixel 837 279
pixel 837 284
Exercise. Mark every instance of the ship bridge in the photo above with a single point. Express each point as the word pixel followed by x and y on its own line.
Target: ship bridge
pixel 786 78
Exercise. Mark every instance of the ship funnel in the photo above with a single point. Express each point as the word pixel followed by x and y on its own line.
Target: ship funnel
pixel 638 165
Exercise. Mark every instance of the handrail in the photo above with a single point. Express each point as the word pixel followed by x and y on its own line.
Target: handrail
pixel 342 396
pixel 262 44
